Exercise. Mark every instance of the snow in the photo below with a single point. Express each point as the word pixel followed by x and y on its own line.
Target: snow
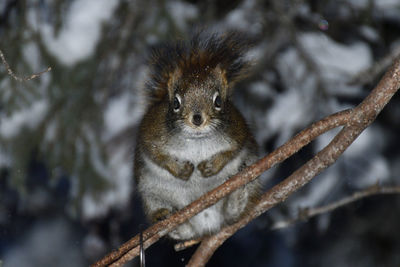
pixel 81 31
pixel 334 65
pixel 374 169
pixel 367 160
pixel 387 4
pixel 320 189
pixel 360 4
pixel 363 165
pixel 6 93
pixel 50 131
pixel 260 89
pixel 336 61
pixel 120 178
pixel 46 244
pixel 289 111
pixel 5 159
pixel 369 33
pixel 181 12
pixel 292 67
pixel 119 115
pixel 95 153
pixel 292 108
pixel 369 139
pixel 94 246
pixel 239 18
pixel 32 55
pixel 12 125
pixel 3 5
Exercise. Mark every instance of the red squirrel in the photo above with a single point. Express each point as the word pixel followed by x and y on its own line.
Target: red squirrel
pixel 192 138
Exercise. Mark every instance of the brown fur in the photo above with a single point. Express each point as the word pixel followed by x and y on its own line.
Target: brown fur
pixel 194 74
pixel 221 54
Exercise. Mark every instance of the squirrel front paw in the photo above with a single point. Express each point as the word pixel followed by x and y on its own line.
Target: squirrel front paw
pixel 209 167
pixel 159 215
pixel 186 170
pixel 182 170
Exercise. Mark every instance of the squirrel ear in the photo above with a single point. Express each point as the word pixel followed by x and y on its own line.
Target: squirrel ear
pixel 172 80
pixel 221 75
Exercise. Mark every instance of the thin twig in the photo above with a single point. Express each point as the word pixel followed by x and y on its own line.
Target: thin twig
pixel 186 244
pixel 305 214
pixel 19 79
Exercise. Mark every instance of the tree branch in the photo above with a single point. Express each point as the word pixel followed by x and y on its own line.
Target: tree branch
pixel 360 117
pixel 355 121
pixel 19 79
pixel 130 249
pixel 305 214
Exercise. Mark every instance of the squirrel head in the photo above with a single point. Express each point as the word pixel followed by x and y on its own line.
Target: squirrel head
pixel 197 77
pixel 197 100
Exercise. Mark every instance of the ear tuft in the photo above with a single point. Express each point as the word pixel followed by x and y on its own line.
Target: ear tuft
pixel 222 54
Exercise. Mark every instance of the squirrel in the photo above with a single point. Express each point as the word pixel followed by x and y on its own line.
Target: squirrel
pixel 192 138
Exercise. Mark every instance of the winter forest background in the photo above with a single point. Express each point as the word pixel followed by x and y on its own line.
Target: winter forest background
pixel 66 138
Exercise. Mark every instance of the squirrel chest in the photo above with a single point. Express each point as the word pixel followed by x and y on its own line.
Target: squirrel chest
pixel 194 150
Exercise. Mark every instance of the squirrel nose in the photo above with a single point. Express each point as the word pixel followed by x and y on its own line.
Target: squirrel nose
pixel 197 119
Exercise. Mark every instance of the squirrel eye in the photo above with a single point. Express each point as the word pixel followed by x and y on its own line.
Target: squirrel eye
pixel 177 102
pixel 217 101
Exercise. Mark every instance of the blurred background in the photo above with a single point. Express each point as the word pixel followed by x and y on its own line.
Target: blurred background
pixel 67 137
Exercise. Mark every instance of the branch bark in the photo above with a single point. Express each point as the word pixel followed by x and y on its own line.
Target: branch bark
pixel 354 122
pixel 130 249
pixel 19 79
pixel 359 119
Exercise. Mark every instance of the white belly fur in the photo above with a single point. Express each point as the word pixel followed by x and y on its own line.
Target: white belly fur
pixel 181 193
